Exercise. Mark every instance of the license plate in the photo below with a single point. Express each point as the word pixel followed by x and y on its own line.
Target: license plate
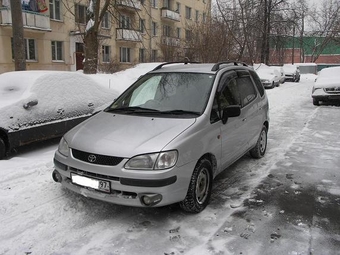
pixel 91 183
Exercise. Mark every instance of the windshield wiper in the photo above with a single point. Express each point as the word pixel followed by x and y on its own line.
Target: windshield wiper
pixel 181 112
pixel 131 109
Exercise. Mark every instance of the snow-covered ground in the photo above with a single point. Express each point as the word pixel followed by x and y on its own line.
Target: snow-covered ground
pixel 38 216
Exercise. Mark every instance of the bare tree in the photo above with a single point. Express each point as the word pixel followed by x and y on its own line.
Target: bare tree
pixel 18 36
pixel 326 26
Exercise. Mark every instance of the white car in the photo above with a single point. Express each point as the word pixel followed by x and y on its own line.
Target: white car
pixel 281 72
pixel 292 72
pixel 40 105
pixel 327 86
pixel 270 77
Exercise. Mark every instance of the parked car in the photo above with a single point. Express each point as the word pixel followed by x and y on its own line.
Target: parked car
pixel 167 136
pixel 281 73
pixel 327 86
pixel 270 77
pixel 292 72
pixel 39 105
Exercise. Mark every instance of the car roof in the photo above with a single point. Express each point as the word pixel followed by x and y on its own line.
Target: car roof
pixel 191 67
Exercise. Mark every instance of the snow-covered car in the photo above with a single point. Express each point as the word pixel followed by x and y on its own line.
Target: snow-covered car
pixel 281 72
pixel 270 77
pixel 292 72
pixel 40 105
pixel 327 86
pixel 166 138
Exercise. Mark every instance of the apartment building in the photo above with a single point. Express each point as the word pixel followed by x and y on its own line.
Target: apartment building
pixel 133 31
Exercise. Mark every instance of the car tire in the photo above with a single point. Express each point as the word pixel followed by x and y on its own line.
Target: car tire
pixel 2 148
pixel 199 190
pixel 273 85
pixel 316 102
pixel 261 146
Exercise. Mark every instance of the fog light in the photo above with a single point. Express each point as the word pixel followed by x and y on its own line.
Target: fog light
pixel 56 176
pixel 151 200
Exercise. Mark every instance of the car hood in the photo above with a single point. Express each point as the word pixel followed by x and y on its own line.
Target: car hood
pixel 327 82
pixel 125 135
pixel 264 75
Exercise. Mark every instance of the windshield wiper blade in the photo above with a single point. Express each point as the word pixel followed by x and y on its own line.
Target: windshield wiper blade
pixel 181 112
pixel 132 109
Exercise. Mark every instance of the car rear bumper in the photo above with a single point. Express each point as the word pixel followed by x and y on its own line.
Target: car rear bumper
pixel 127 186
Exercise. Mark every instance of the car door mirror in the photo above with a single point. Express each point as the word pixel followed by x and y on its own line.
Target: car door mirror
pixel 230 111
pixel 30 104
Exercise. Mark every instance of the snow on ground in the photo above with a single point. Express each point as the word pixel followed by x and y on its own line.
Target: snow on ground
pixel 38 216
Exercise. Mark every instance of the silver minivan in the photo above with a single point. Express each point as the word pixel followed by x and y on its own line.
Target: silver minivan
pixel 167 137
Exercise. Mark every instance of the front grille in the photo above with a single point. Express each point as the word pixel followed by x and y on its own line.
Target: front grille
pixel 89 174
pixel 96 158
pixel 333 90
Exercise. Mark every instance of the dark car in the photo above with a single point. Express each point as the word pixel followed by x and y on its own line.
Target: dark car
pixel 40 105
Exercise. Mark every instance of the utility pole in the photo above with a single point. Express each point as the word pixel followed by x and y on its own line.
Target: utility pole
pixel 18 36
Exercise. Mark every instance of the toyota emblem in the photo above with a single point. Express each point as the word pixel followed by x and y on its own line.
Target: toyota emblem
pixel 91 158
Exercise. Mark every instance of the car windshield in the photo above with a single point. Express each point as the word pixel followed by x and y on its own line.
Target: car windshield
pixel 180 94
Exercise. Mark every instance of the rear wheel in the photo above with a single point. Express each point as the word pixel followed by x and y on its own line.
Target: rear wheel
pixel 316 102
pixel 2 148
pixel 199 191
pixel 261 146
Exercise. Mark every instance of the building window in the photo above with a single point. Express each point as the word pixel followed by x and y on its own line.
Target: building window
pixel 124 22
pixel 197 15
pixel 106 21
pixel 57 50
pixel 125 55
pixel 80 14
pixel 187 12
pixel 55 9
pixel 106 53
pixel 178 7
pixel 188 34
pixel 142 55
pixel 154 55
pixel 30 49
pixel 166 4
pixel 204 17
pixel 166 31
pixel 154 28
pixel 154 3
pixel 178 32
pixel 142 2
pixel 142 25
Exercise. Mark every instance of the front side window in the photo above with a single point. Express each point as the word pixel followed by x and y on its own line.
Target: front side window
pixel 80 14
pixel 167 94
pixel 106 53
pixel 55 9
pixel 57 50
pixel 125 55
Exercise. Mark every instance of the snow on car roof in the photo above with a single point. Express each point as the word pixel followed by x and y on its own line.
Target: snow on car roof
pixel 328 77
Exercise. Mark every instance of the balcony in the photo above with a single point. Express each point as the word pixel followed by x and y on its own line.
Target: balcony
pixel 171 41
pixel 129 4
pixel 128 35
pixel 31 20
pixel 170 15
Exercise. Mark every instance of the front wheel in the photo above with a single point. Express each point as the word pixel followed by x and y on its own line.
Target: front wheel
pixel 261 146
pixel 2 148
pixel 199 190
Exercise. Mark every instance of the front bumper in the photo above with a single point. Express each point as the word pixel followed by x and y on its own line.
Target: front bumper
pixel 128 187
pixel 322 95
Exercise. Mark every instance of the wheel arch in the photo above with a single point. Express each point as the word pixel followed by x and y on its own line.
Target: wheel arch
pixel 211 157
pixel 4 136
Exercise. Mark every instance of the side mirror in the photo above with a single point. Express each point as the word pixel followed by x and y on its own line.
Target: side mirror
pixel 30 104
pixel 230 111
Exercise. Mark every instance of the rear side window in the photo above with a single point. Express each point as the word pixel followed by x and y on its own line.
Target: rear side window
pixel 257 83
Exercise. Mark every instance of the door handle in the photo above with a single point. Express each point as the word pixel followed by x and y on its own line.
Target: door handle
pixel 245 119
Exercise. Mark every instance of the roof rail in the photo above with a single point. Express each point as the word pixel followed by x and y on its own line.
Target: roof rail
pixel 175 62
pixel 218 65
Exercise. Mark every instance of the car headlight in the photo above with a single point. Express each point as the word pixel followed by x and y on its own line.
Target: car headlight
pixel 153 161
pixel 63 147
